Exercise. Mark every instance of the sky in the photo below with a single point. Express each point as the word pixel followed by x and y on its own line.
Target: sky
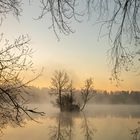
pixel 81 54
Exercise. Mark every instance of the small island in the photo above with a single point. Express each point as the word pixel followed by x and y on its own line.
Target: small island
pixel 62 88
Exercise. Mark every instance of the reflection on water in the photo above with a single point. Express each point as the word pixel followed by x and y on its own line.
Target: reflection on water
pixel 98 123
pixel 87 129
pixel 63 129
pixel 120 111
pixel 7 119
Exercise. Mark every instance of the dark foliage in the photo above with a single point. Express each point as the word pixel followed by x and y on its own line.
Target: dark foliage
pixel 68 103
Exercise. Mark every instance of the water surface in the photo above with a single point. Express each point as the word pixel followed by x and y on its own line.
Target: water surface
pixel 98 122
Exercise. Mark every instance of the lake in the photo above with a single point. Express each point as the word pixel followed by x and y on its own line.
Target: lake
pixel 98 122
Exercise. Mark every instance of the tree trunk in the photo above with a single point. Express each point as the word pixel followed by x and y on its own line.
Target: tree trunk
pixel 83 106
pixel 60 99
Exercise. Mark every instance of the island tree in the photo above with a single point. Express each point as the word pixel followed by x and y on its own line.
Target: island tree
pixel 87 92
pixel 60 84
pixel 65 93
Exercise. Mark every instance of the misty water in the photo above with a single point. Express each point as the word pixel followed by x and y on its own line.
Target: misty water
pixel 98 122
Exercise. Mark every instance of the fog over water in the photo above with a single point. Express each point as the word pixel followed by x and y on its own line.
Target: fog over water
pixel 93 110
pixel 98 122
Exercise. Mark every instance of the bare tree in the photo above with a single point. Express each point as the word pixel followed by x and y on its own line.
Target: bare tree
pixel 14 62
pixel 60 84
pixel 87 92
pixel 62 13
pixel 123 24
pixel 119 17
pixel 10 6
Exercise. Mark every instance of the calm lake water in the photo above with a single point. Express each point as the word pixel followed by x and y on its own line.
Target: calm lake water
pixel 98 122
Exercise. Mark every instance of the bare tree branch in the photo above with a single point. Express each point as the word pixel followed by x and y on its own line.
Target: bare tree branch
pixel 14 62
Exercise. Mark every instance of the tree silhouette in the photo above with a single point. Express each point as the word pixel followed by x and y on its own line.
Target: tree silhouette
pixel 14 62
pixel 60 84
pixel 87 92
pixel 10 6
pixel 119 17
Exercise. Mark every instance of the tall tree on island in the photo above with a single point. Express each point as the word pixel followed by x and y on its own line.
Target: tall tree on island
pixel 60 83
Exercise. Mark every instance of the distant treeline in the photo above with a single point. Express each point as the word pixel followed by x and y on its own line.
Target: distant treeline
pixel 100 97
pixel 116 97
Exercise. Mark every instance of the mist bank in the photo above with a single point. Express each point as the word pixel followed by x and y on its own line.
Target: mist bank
pixel 116 97
pixel 42 95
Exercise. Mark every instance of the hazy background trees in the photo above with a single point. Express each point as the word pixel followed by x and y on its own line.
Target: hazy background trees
pixel 43 96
